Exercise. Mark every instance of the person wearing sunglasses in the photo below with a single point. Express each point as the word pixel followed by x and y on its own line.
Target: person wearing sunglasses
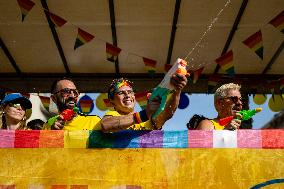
pixel 227 102
pixel 14 108
pixel 65 95
pixel 122 98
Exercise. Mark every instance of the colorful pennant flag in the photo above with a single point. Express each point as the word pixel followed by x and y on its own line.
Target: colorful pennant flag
pixel 86 104
pixel 107 103
pixel 226 62
pixel 196 74
pixel 167 67
pixel 142 99
pixel 83 37
pixel 212 83
pixel 278 22
pixel 56 20
pixel 112 52
pixel 25 6
pixel 45 102
pixel 150 65
pixel 254 42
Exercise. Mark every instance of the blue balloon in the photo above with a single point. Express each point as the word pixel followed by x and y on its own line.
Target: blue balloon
pixel 86 104
pixel 183 101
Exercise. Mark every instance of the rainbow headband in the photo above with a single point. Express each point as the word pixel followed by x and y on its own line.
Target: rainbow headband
pixel 117 84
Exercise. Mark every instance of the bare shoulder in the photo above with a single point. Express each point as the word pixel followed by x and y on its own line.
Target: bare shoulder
pixel 205 124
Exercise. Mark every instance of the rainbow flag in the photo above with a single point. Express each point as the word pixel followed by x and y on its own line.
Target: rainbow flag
pixel 25 6
pixel 196 74
pixel 150 65
pixel 112 52
pixel 226 62
pixel 254 42
pixel 56 20
pixel 167 67
pixel 45 102
pixel 86 106
pixel 212 83
pixel 278 21
pixel 83 37
pixel 142 99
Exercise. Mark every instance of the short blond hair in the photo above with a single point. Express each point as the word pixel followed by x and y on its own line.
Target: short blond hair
pixel 222 91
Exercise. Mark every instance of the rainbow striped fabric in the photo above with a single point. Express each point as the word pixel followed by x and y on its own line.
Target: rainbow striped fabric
pixel 150 65
pixel 226 62
pixel 56 20
pixel 254 42
pixel 112 52
pixel 278 21
pixel 83 37
pixel 25 6
pixel 143 139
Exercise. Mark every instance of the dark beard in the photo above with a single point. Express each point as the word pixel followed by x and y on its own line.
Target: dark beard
pixel 62 104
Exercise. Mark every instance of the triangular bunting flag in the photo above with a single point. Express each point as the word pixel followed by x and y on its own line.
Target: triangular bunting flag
pixel 25 6
pixel 112 52
pixel 212 83
pixel 82 38
pixel 45 102
pixel 167 67
pixel 196 74
pixel 56 20
pixel 107 103
pixel 150 65
pixel 278 21
pixel 226 62
pixel 254 42
pixel 142 99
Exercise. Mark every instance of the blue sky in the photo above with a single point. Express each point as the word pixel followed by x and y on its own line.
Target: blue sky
pixel 202 104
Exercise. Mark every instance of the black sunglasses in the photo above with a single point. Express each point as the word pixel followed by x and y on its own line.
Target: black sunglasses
pixel 234 99
pixel 68 92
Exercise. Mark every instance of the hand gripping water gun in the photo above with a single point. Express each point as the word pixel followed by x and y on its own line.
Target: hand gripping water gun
pixel 247 114
pixel 67 115
pixel 164 88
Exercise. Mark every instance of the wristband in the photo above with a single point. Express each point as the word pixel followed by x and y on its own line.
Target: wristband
pixel 140 117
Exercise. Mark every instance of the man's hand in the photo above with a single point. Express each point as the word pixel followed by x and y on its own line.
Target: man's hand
pixel 179 81
pixel 59 124
pixel 235 123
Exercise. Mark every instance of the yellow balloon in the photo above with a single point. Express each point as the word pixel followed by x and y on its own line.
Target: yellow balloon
pixel 276 104
pixel 259 99
pixel 100 102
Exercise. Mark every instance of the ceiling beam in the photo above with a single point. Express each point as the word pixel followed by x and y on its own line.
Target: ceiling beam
pixel 273 58
pixel 56 38
pixel 86 82
pixel 233 31
pixel 173 32
pixel 113 32
pixel 10 57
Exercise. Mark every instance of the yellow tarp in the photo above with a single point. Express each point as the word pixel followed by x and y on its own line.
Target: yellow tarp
pixel 140 168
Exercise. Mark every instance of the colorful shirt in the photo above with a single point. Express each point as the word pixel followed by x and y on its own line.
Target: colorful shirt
pixel 141 126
